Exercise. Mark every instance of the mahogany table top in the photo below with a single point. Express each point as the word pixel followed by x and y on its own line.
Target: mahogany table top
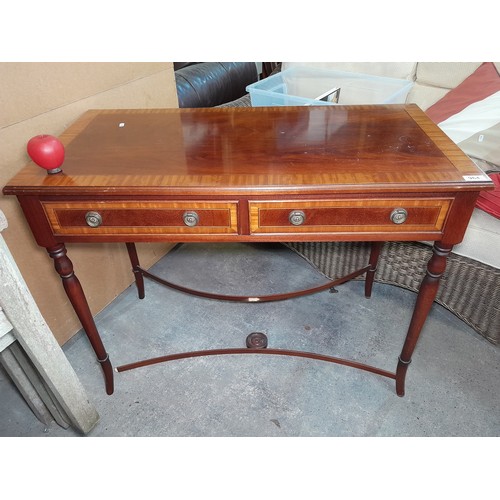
pixel 293 150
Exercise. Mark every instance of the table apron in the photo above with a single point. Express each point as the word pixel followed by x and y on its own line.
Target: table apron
pixel 369 219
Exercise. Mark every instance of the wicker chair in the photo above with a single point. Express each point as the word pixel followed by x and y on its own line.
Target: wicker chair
pixel 469 289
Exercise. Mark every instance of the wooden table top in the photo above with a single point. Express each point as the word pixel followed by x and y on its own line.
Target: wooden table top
pixel 295 150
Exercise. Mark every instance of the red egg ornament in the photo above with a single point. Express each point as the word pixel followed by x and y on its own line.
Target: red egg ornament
pixel 47 152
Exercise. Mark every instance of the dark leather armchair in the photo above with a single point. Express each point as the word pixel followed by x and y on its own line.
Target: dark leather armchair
pixel 208 84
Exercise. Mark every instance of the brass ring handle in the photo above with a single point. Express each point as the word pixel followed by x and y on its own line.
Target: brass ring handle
pixel 297 217
pixel 93 219
pixel 191 219
pixel 398 215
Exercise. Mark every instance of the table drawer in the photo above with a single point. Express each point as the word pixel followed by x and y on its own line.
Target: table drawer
pixel 142 218
pixel 348 216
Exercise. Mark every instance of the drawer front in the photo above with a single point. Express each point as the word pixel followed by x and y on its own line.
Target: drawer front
pixel 349 216
pixel 142 218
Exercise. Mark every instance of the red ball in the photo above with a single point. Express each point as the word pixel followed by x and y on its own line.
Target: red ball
pixel 46 151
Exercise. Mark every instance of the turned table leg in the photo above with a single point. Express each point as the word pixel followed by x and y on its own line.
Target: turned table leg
pixel 77 298
pixel 425 299
pixel 376 247
pixel 134 260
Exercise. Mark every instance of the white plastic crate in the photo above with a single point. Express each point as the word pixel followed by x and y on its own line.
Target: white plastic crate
pixel 300 86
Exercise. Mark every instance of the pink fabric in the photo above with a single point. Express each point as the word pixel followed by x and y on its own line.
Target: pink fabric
pixel 484 82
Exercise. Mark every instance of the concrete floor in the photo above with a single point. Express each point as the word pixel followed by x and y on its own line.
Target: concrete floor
pixel 451 389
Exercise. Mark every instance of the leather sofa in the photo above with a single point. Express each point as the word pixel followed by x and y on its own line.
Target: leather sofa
pixel 208 84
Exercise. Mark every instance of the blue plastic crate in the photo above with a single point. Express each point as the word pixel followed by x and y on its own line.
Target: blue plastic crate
pixel 303 86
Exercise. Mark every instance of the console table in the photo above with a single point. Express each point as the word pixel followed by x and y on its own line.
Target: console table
pixel 277 174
